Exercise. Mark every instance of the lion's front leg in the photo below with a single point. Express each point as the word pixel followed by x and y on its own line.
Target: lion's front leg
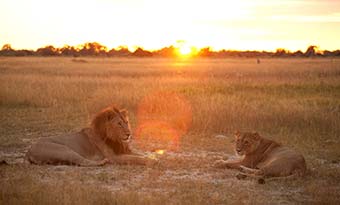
pixel 90 163
pixel 248 170
pixel 227 164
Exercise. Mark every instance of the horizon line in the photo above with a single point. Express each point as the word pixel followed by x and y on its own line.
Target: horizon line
pixel 136 47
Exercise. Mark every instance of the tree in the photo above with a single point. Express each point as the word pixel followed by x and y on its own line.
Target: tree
pixel 94 48
pixel 122 51
pixel 67 50
pixel 298 54
pixel 311 51
pixel 7 50
pixel 139 52
pixel 205 52
pixel 166 52
pixel 47 51
pixel 281 52
pixel 7 47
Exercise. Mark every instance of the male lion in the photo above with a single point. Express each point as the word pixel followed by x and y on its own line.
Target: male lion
pixel 264 157
pixel 105 141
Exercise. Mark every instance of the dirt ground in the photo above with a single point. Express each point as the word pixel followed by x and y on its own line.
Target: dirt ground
pixel 181 177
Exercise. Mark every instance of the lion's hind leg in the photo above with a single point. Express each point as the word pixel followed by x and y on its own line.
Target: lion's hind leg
pixel 53 153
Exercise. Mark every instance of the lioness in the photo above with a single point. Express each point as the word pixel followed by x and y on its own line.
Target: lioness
pixel 105 141
pixel 264 157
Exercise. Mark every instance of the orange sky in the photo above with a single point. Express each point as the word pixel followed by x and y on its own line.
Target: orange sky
pixel 153 24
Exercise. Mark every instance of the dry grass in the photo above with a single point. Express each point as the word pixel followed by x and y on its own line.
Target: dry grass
pixel 294 101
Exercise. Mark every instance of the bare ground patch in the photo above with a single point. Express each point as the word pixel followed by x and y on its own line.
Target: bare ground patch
pixel 179 178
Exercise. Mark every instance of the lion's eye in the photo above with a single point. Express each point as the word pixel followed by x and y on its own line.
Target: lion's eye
pixel 120 124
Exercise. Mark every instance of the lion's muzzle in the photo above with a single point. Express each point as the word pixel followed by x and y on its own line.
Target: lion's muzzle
pixel 127 137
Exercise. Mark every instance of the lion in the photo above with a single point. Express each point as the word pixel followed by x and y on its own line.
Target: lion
pixel 106 140
pixel 264 158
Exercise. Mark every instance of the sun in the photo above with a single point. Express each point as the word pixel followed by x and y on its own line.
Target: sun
pixel 185 50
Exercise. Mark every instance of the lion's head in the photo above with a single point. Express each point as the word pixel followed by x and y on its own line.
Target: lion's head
pixel 112 125
pixel 246 142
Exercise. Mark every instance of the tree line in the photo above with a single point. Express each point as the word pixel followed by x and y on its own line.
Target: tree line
pixel 97 49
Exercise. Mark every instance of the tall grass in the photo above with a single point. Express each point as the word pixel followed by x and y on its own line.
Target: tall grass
pixel 278 96
pixel 295 101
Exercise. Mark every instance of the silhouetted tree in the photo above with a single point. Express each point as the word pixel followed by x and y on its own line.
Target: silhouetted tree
pixel 97 49
pixel 205 52
pixel 24 52
pixel 47 51
pixel 93 49
pixel 122 51
pixel 112 53
pixel 168 52
pixel 139 52
pixel 336 53
pixel 6 47
pixel 281 52
pixel 67 50
pixel 297 54
pixel 311 51
pixel 7 50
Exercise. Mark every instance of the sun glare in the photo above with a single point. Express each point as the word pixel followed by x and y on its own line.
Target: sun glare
pixel 163 118
pixel 185 50
pixel 160 151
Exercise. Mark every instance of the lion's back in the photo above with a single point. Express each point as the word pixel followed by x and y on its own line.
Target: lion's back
pixel 78 142
pixel 284 158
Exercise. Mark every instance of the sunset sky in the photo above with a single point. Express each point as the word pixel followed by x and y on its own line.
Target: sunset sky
pixel 153 24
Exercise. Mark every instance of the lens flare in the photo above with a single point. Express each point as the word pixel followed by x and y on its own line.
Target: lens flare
pixel 160 151
pixel 162 117
pixel 156 135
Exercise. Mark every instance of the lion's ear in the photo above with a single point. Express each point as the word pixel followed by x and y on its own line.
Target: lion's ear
pixel 237 133
pixel 124 112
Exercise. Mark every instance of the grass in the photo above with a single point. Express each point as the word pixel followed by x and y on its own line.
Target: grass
pixel 294 101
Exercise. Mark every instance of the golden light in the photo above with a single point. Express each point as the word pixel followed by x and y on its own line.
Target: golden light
pixel 156 135
pixel 160 151
pixel 185 50
pixel 156 153
pixel 162 118
pixel 242 25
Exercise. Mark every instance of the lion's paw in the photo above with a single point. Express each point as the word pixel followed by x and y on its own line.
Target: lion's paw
pixel 103 162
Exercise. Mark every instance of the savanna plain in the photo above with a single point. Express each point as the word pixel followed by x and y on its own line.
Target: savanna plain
pixel 192 106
